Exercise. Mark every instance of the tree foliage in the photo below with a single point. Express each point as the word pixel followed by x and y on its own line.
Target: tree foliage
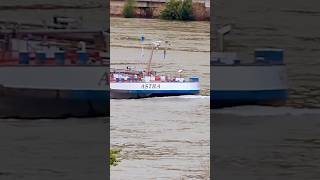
pixel 178 10
pixel 129 9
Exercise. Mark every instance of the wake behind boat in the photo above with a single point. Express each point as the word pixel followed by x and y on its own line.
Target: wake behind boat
pixel 142 83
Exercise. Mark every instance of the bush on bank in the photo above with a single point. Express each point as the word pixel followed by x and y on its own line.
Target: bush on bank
pixel 129 9
pixel 178 10
pixel 114 157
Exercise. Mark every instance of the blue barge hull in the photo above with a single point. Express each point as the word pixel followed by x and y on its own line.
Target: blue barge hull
pixel 134 94
pixel 219 99
pixel 40 103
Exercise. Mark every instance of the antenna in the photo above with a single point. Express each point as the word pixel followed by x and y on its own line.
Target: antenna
pixel 142 49
pixel 166 47
pixel 221 33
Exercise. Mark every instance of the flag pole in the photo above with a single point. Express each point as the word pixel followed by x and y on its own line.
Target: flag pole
pixel 142 50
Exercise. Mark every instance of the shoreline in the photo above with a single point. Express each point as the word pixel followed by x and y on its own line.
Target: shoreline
pixel 152 9
pixel 121 16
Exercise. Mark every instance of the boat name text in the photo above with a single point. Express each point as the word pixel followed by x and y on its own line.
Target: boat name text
pixel 150 86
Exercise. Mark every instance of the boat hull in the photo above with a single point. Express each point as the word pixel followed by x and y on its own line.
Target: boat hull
pixel 53 91
pixel 123 94
pixel 35 103
pixel 132 90
pixel 220 99
pixel 234 85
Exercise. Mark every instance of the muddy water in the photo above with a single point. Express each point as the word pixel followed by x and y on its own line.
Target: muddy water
pixel 162 138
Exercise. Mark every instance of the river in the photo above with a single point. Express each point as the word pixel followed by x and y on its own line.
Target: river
pixel 162 138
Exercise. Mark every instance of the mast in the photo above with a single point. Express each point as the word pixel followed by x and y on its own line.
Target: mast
pixel 221 33
pixel 150 59
pixel 156 45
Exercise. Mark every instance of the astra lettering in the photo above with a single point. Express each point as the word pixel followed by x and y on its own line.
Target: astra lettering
pixel 150 86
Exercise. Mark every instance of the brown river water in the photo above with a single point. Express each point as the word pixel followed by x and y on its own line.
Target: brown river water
pixel 162 138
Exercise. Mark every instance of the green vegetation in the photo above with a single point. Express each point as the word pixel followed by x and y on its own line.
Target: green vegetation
pixel 114 157
pixel 178 10
pixel 129 10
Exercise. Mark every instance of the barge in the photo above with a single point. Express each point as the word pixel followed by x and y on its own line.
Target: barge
pixel 262 81
pixel 53 73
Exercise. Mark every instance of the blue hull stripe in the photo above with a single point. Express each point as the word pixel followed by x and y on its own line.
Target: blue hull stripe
pixel 229 98
pixel 104 95
pixel 247 95
pixel 165 92
pixel 89 95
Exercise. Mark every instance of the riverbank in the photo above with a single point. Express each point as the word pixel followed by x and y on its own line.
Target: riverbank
pixel 153 8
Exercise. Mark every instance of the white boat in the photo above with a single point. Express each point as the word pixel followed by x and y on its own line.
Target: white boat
pixel 131 83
